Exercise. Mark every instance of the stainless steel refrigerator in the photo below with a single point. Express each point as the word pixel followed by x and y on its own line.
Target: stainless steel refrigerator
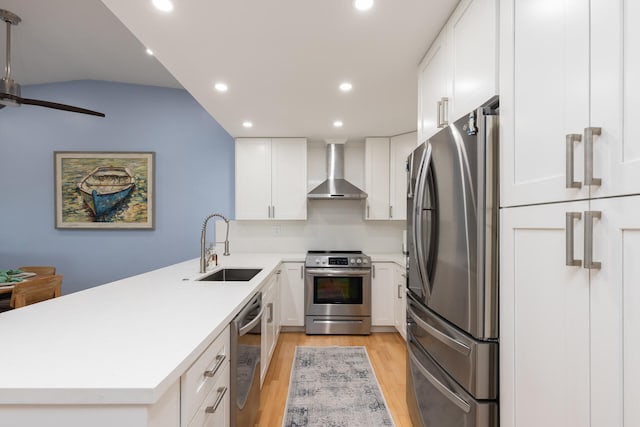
pixel 452 274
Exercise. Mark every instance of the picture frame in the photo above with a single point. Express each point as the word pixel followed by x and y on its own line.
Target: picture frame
pixel 104 189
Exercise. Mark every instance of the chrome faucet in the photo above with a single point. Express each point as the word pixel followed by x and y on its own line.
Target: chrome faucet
pixel 203 238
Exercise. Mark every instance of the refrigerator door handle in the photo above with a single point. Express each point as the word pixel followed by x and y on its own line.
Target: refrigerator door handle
pixel 445 339
pixel 452 396
pixel 425 164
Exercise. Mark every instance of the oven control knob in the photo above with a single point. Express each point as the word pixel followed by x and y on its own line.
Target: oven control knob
pixel 364 261
pixel 358 261
pixel 353 260
pixel 317 260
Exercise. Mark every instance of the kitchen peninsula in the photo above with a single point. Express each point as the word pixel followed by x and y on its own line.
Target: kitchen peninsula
pixel 114 354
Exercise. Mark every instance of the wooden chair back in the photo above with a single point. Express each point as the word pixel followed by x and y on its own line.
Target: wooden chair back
pixel 36 290
pixel 40 270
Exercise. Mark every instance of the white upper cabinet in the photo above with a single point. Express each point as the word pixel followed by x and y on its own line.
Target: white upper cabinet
pixel 569 97
pixel 433 87
pixel 473 37
pixel 271 178
pixel 376 178
pixel 386 177
pixel 460 70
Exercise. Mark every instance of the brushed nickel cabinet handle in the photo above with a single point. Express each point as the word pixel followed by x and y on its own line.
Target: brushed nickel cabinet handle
pixel 445 111
pixel 569 240
pixel 219 360
pixel 302 271
pixel 211 409
pixel 390 212
pixel 438 110
pixel 399 291
pixel 588 156
pixel 570 140
pixel 368 211
pixel 588 240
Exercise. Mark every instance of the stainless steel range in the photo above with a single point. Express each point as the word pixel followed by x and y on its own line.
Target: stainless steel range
pixel 337 293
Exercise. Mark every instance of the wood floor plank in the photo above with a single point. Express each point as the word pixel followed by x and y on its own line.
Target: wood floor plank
pixel 387 351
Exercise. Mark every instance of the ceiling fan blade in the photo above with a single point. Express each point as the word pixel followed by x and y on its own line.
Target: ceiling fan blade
pixel 19 100
pixel 57 106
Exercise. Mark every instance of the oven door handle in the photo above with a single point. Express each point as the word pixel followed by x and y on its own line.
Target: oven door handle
pixel 332 272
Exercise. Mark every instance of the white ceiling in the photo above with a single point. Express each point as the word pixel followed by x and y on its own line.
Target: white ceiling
pixel 282 59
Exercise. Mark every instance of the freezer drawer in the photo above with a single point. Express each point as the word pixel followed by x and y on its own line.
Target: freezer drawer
pixel 442 402
pixel 472 363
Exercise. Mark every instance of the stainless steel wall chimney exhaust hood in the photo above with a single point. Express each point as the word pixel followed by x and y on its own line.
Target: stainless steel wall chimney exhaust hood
pixel 335 187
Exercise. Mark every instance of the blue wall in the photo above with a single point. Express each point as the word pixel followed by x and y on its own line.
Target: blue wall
pixel 194 177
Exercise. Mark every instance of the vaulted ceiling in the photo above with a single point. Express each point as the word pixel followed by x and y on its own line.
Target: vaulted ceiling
pixel 281 59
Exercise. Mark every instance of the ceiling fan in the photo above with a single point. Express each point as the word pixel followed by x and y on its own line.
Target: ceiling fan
pixel 10 90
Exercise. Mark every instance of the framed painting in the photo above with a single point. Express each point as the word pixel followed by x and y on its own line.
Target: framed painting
pixel 104 190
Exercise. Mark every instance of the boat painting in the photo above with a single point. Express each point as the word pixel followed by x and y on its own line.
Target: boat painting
pixel 105 187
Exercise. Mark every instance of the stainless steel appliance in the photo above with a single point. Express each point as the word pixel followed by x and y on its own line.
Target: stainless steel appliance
pixel 245 363
pixel 452 304
pixel 337 293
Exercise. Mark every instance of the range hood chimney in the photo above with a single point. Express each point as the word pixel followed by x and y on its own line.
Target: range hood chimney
pixel 335 187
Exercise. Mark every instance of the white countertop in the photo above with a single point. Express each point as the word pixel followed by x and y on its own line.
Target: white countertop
pixel 125 342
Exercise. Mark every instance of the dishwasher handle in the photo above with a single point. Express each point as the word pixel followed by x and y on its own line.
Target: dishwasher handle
pixel 249 326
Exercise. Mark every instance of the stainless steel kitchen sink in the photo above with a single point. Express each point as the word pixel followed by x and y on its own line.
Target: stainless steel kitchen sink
pixel 232 275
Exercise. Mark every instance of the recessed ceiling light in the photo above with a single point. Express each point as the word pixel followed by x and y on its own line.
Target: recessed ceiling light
pixel 247 124
pixel 345 87
pixel 221 87
pixel 149 52
pixel 163 5
pixel 363 4
pixel 337 124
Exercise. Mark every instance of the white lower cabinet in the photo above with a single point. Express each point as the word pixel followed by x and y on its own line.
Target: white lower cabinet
pixel 400 305
pixel 382 294
pixel 570 336
pixel 204 387
pixel 270 323
pixel 292 294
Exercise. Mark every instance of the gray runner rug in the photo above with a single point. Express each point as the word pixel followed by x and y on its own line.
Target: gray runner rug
pixel 334 387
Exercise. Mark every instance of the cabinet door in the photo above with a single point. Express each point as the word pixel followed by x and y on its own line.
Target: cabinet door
pixel 545 79
pixel 401 301
pixel 376 177
pixel 544 319
pixel 615 96
pixel 289 174
pixel 268 338
pixel 433 86
pixel 253 178
pixel 615 322
pixel 399 147
pixel 473 30
pixel 292 294
pixel 382 294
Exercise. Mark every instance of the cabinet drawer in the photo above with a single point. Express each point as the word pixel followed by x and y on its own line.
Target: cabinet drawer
pixel 201 377
pixel 215 409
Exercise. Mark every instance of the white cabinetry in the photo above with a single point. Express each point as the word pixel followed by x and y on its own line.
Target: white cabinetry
pixel 382 294
pixel 385 176
pixel 271 178
pixel 204 387
pixel 569 332
pixel 570 326
pixel 459 71
pixel 400 305
pixel 292 294
pixel 270 323
pixel 581 77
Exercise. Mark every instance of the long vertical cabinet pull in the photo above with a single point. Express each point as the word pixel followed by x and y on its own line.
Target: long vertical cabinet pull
pixel 588 156
pixel 588 239
pixel 302 271
pixel 569 247
pixel 570 140
pixel 439 115
pixel 445 111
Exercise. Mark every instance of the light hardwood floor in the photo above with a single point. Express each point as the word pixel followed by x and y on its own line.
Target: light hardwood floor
pixel 387 351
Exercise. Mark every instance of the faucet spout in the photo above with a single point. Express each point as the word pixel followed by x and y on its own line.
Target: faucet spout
pixel 203 239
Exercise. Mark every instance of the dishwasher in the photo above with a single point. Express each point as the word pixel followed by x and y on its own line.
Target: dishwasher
pixel 246 328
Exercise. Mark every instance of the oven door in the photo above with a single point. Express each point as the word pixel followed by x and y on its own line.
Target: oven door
pixel 337 292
